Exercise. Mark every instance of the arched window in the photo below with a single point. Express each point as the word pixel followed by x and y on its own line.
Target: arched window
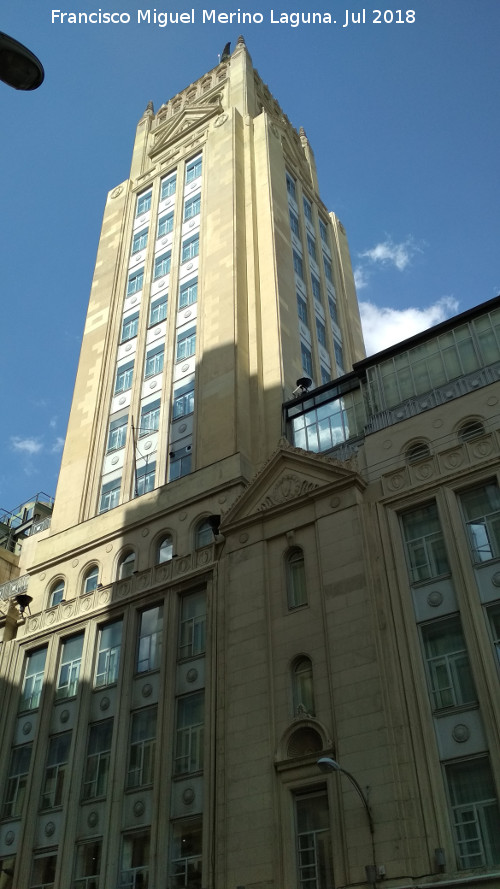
pixel 56 593
pixel 302 686
pixel 126 565
pixel 204 534
pixel 295 578
pixel 165 550
pixel 419 450
pixel 90 580
pixel 471 429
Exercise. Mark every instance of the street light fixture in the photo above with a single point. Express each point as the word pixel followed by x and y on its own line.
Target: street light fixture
pixel 327 764
pixel 19 67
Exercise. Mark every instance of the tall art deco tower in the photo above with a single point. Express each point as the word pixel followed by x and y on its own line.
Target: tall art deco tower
pixel 268 557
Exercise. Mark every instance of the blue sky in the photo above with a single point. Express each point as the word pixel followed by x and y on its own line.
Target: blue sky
pixel 403 119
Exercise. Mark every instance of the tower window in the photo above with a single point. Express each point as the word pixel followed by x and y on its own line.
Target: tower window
pixel 192 207
pixel 333 310
pixel 475 812
pixel 126 566
pixel 162 265
pixel 290 187
pixel 294 223
pixel 185 855
pixel 33 679
pixel 302 310
pixel 307 209
pixel 306 360
pixel 145 479
pixel 311 247
pixel 339 354
pixel 154 361
pixel 88 865
pixel 323 232
pixel 298 265
pixel 425 547
pixel 192 624
pixel 295 578
pixel 204 534
pixel 110 494
pixel 448 668
pixel 193 169
pixel 302 682
pixel 142 748
pixel 180 463
pixel 471 429
pixel 108 655
pixel 129 327
pixel 124 376
pixel 91 580
pixel 321 332
pixel 150 418
pixel 328 269
pixel 17 779
pixel 158 310
pixel 135 281
pixel 165 225
pixel 143 203
pixel 189 734
pixel 316 289
pixel 168 186
pixel 186 344
pixel 188 293
pixel 95 779
pixel 190 248
pixel 165 550
pixel 55 770
pixel 117 433
pixel 43 872
pixel 183 400
pixel 140 240
pixel 69 668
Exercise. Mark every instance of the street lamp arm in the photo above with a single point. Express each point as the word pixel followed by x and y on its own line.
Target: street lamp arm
pixel 359 790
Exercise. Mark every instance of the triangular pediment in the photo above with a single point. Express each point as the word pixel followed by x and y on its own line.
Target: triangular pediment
pixel 182 124
pixel 291 475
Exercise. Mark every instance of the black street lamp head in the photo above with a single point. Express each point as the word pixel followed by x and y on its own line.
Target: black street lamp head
pixel 19 67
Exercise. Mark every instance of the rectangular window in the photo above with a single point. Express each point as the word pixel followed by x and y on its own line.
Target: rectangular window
pixel 150 418
pixel 311 247
pixel 140 240
pixel 298 265
pixel 183 400
pixel 135 281
pixel 321 332
pixel 316 289
pixel 323 231
pixel 55 770
pixel 180 464
pixel 145 479
pixel 302 309
pixel 154 361
pixel 333 310
pixel 493 613
pixel 162 265
pixel 294 223
pixel 188 293
pixel 306 360
pixel 307 209
pixel 158 310
pixel 129 327
pixel 134 871
pixel 117 434
pixel 43 872
pixel 481 508
pixel 143 203
pixel 314 854
pixel 328 269
pixel 168 186
pixel 185 855
pixel 325 375
pixel 110 495
pixel 165 225
pixel 108 656
pixel 124 375
pixel 193 169
pixel 95 779
pixel 69 667
pixel 33 679
pixel 290 186
pixel 192 207
pixel 88 865
pixel 425 547
pixel 189 734
pixel 150 639
pixel 190 248
pixel 448 668
pixel 142 748
pixel 17 779
pixel 186 344
pixel 192 624
pixel 339 354
pixel 475 812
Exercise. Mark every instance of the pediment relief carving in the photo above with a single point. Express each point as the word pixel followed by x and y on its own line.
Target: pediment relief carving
pixel 290 475
pixel 182 124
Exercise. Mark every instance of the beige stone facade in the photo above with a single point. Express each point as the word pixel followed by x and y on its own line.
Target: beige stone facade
pixel 318 578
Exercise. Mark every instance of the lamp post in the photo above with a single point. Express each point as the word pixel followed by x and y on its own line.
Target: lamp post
pixel 328 765
pixel 19 67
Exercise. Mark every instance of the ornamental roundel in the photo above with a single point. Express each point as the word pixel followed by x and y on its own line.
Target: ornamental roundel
pixel 93 819
pixel 139 808
pixel 188 796
pixel 50 829
pixel 220 120
pixel 117 191
pixel 435 599
pixel 9 837
pixel 461 733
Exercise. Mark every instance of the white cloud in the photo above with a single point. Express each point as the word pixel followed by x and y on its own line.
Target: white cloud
pixel 383 327
pixel 360 277
pixel 389 253
pixel 26 445
pixel 58 445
